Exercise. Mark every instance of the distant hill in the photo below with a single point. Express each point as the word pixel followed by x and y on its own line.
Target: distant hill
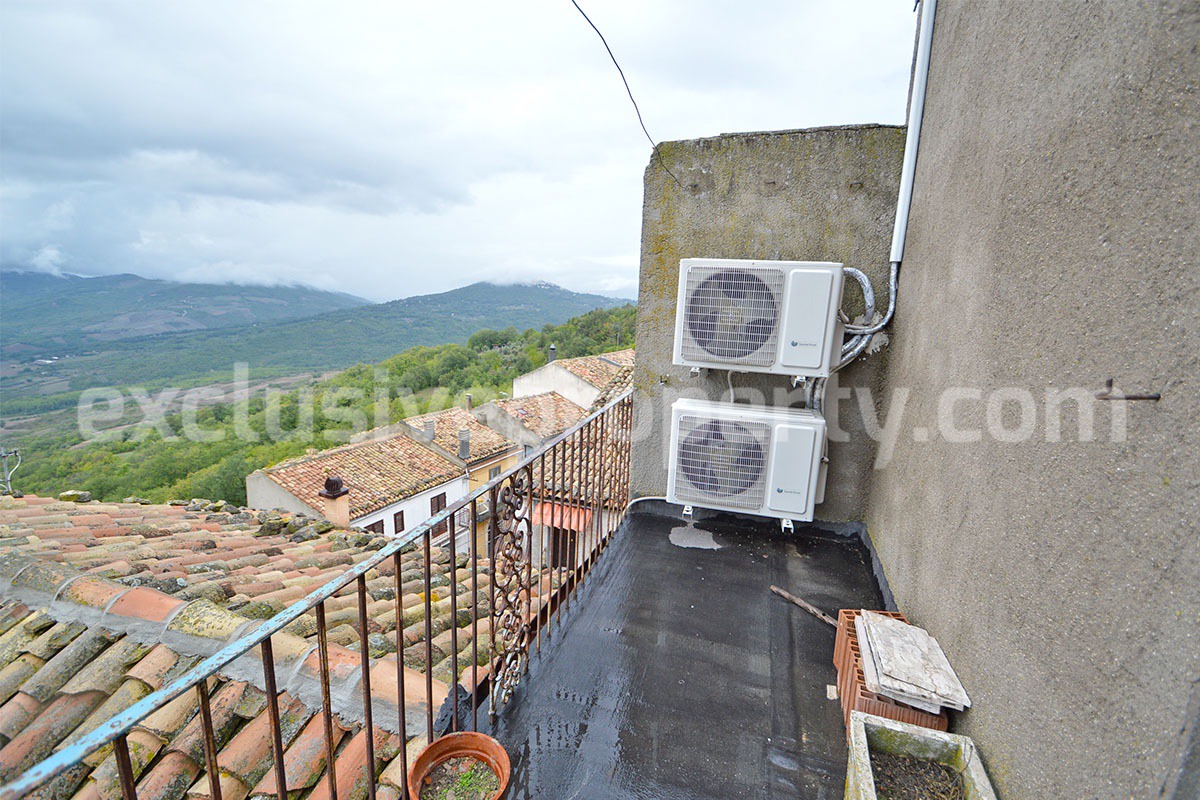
pixel 41 310
pixel 331 340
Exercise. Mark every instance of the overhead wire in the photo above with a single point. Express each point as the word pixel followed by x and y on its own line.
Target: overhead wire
pixel 629 91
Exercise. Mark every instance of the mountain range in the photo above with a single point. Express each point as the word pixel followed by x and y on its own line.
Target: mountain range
pixel 59 336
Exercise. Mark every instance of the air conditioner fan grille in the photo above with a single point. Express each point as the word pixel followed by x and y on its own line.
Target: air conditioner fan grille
pixel 722 459
pixel 732 314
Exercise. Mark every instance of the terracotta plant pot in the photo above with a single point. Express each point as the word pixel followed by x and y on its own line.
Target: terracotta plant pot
pixel 466 744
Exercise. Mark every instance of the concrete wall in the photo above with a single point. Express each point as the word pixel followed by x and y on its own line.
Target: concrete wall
pixel 826 194
pixel 415 508
pixel 555 378
pixel 506 425
pixel 263 493
pixel 1053 244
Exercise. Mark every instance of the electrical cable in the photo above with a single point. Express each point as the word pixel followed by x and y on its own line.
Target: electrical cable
pixel 629 92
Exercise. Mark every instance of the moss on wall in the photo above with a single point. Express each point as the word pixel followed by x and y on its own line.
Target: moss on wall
pixel 825 194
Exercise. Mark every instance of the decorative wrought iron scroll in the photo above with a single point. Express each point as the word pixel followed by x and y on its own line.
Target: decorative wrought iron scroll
pixel 512 566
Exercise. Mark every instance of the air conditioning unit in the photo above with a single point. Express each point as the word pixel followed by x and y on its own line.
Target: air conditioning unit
pixel 778 317
pixel 755 459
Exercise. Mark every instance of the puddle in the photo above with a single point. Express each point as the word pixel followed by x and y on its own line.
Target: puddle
pixel 688 536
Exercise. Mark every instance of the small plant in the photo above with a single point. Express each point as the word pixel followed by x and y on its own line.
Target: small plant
pixel 460 779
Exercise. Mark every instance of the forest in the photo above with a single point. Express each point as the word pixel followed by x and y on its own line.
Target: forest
pixel 206 450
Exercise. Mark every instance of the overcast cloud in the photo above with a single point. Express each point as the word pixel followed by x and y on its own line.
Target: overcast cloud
pixel 394 148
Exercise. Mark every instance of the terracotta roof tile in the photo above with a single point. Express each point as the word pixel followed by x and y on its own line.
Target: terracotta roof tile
pixel 547 414
pixel 598 370
pixel 485 442
pixel 43 733
pixel 16 714
pixel 304 760
pixel 377 472
pixel 169 779
pixel 154 667
pixel 620 383
pixel 65 678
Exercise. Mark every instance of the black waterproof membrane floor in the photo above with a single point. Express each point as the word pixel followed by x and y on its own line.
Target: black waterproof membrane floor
pixel 676 674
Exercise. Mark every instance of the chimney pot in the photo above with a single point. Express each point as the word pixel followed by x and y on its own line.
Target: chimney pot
pixel 553 354
pixel 335 501
pixel 464 444
pixel 469 398
pixel 430 429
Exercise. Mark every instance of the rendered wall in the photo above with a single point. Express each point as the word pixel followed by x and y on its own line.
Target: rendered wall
pixel 554 378
pixel 1053 244
pixel 415 508
pixel 264 493
pixel 826 194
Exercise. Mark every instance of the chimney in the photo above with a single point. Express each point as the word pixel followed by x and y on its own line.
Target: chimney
pixel 469 398
pixel 464 444
pixel 430 429
pixel 335 498
pixel 553 354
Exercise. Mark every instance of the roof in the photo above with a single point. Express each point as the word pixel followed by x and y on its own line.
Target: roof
pixel 378 472
pixel 598 370
pixel 621 382
pixel 547 414
pixel 100 604
pixel 485 442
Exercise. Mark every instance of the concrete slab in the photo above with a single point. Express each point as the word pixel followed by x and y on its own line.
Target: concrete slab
pixel 676 673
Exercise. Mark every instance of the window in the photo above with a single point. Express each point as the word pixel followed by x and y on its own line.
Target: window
pixel 398 522
pixel 375 527
pixel 438 503
pixel 494 473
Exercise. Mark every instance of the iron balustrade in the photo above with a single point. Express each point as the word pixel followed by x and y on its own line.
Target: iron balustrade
pixel 546 519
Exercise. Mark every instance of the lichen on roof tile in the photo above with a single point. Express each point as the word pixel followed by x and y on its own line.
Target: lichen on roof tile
pixel 547 414
pixel 65 664
pixel 598 370
pixel 40 737
pixel 106 672
pixel 377 472
pixel 484 442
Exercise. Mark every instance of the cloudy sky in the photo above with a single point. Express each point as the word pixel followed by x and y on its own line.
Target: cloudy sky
pixel 395 148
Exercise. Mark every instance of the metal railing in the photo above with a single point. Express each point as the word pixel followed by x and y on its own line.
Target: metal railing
pixel 550 518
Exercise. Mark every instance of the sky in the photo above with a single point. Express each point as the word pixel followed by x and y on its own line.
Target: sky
pixel 389 149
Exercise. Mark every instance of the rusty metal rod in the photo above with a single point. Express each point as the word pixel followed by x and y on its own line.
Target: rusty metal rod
pixel 210 744
pixel 268 661
pixel 365 652
pixel 124 768
pixel 493 660
pixel 125 721
pixel 807 606
pixel 402 723
pixel 428 640
pixel 326 697
pixel 474 616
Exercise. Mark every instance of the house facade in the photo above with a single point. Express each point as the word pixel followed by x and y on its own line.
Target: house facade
pixel 393 483
pixel 529 421
pixel 580 380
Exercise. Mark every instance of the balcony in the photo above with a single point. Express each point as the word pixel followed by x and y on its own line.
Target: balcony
pixel 676 673
pixel 614 653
